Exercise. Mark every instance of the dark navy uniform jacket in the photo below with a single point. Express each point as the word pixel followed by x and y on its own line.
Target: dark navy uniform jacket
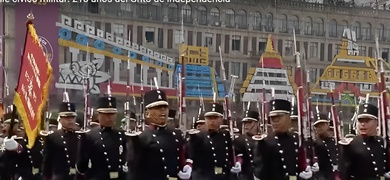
pixel 60 154
pixel 212 155
pixel 29 161
pixel 277 157
pixel 103 154
pixel 363 158
pixel 158 153
pixel 243 145
pixel 327 153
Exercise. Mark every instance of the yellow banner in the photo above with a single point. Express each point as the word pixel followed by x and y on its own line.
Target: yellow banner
pixel 195 55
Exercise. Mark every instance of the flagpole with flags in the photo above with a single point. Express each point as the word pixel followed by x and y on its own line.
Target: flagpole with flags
pixel 32 90
pixel 2 60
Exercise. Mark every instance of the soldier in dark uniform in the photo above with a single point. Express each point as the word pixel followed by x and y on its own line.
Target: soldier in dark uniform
pixel 102 154
pixel 244 144
pixel 277 155
pixel 364 156
pixel 326 150
pixel 60 151
pixel 211 151
pixel 200 124
pixel 159 152
pixel 29 161
pixel 9 151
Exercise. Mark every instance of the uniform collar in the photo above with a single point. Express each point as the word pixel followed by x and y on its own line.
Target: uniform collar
pixel 106 129
pixel 67 131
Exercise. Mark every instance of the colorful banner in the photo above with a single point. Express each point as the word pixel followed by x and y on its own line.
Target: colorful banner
pixel 46 15
pixel 32 90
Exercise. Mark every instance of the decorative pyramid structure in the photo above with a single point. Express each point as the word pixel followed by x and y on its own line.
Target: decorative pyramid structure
pixel 270 69
pixel 349 75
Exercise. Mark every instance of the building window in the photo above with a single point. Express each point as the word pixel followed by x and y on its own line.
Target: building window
pixel 314 49
pixel 126 7
pixel 236 68
pixel 340 28
pixel 269 22
pixel 149 35
pixel 241 19
pixel 172 12
pixel 366 31
pixel 256 20
pixel 179 36
pixel 229 18
pixel 214 16
pixel 318 27
pixel 358 29
pixel 244 71
pixel 187 13
pixel 333 28
pixel 381 32
pixel 288 47
pixel 362 50
pixel 118 30
pixel 154 10
pixel 283 23
pixel 294 23
pixel 308 26
pixel 202 15
pixel 236 43
pixel 208 40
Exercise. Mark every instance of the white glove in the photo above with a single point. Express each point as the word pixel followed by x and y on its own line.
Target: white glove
pixel 315 168
pixel 387 175
pixel 10 144
pixel 255 178
pixel 307 174
pixel 236 168
pixel 185 173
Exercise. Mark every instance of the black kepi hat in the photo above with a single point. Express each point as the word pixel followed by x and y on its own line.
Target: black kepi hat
pixel 213 109
pixel 367 111
pixel 67 109
pixel 251 115
pixel 155 98
pixel 107 104
pixel 279 107
pixel 9 115
pixel 320 118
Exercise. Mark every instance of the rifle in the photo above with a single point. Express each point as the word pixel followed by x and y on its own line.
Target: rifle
pixel 300 104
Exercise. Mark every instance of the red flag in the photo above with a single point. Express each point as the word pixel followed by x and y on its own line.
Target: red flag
pixel 33 85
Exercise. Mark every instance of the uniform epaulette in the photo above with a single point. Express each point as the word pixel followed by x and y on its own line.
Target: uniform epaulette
pixel 259 137
pixel 132 134
pixel 345 141
pixel 193 131
pixel 45 133
pixel 83 131
pixel 18 138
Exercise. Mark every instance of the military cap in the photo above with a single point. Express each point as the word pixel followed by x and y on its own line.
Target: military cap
pixel 133 117
pixel 213 109
pixel 294 111
pixel 320 118
pixel 368 111
pixel 107 104
pixel 200 119
pixel 172 114
pixel 251 115
pixel 9 115
pixel 155 98
pixel 278 107
pixel 67 109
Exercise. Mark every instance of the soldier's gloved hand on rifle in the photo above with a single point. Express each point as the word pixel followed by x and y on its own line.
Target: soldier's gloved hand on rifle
pixel 10 144
pixel 307 174
pixel 387 175
pixel 315 168
pixel 186 172
pixel 236 168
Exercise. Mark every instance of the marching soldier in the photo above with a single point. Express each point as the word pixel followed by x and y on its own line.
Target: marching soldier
pixel 102 152
pixel 29 161
pixel 60 151
pixel 159 152
pixel 9 150
pixel 200 124
pixel 211 151
pixel 244 144
pixel 364 156
pixel 277 154
pixel 326 150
